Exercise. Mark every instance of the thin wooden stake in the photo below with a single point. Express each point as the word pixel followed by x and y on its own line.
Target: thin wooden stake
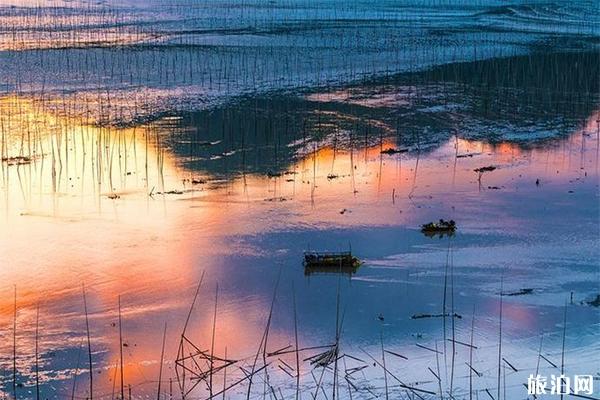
pixel 562 359
pixel 76 370
pixel 37 366
pixel 121 351
pixel 296 340
pixel 500 337
pixel 162 358
pixel 225 375
pixel 15 347
pixel 471 356
pixel 384 367
pixel 89 345
pixel 212 345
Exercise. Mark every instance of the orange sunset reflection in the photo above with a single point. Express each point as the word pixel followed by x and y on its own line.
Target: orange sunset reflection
pixel 112 209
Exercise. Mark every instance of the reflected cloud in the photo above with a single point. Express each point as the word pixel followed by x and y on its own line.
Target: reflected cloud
pixel 119 210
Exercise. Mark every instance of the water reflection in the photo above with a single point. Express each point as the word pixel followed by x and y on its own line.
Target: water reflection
pixel 127 213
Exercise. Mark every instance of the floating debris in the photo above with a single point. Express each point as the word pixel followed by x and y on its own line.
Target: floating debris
pixel 519 292
pixel 171 192
pixel 391 151
pixel 113 196
pixel 326 358
pixel 17 160
pixel 441 228
pixel 396 354
pixel 428 348
pixel 481 170
pixel 332 176
pixel 272 174
pixel 201 143
pixel 198 181
pixel 421 316
pixel 279 199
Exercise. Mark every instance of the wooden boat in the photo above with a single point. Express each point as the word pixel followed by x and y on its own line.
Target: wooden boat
pixel 315 262
pixel 440 227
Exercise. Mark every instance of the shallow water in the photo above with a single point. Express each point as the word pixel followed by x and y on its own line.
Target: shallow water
pixel 132 60
pixel 133 171
pixel 84 216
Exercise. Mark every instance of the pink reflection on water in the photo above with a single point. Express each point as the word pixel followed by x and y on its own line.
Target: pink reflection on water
pixel 99 221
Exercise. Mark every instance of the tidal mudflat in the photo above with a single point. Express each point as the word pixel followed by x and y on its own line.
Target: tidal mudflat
pixel 165 168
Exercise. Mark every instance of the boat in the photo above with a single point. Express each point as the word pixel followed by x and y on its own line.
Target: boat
pixel 315 262
pixel 439 228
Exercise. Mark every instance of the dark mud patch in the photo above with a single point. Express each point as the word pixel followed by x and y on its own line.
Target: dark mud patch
pixel 530 100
